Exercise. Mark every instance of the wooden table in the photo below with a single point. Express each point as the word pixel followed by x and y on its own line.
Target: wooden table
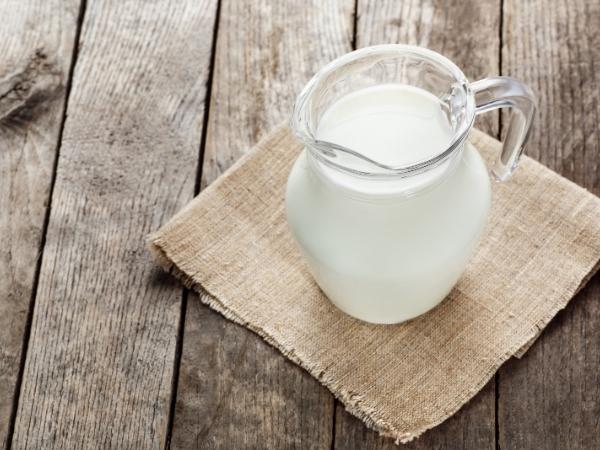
pixel 113 114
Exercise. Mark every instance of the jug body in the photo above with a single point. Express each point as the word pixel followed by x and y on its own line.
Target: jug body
pixel 388 258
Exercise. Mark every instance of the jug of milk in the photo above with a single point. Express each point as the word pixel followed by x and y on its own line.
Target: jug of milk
pixel 388 200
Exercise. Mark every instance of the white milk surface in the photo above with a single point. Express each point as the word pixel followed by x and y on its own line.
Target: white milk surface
pixel 387 250
pixel 392 124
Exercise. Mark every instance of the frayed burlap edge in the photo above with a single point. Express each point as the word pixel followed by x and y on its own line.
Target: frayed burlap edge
pixel 350 400
pixel 519 353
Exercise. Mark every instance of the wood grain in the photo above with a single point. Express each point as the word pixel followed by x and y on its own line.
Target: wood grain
pixel 100 360
pixel 235 391
pixel 551 398
pixel 36 46
pixel 468 34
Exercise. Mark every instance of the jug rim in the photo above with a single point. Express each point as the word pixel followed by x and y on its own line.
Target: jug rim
pixel 326 152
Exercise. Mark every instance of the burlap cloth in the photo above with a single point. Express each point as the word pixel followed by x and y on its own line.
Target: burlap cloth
pixel 232 244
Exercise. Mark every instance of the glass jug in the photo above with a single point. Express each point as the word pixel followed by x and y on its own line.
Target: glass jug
pixel 388 200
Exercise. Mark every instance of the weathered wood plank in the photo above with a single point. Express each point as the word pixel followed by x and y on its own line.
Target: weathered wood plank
pixel 99 366
pixel 235 391
pixel 468 34
pixel 36 46
pixel 471 428
pixel 551 398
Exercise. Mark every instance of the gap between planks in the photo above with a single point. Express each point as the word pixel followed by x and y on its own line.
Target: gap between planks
pixel 499 137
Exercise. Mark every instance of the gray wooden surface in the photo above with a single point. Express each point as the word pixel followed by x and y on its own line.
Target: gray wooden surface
pixel 37 40
pixel 113 114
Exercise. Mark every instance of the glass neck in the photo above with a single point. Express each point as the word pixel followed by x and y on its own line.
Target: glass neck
pixel 390 187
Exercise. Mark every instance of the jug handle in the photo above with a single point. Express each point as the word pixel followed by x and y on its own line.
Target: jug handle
pixel 501 92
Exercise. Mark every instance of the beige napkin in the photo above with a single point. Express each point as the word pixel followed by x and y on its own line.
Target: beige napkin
pixel 232 244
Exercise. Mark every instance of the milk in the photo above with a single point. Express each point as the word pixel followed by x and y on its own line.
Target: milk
pixel 392 124
pixel 387 250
